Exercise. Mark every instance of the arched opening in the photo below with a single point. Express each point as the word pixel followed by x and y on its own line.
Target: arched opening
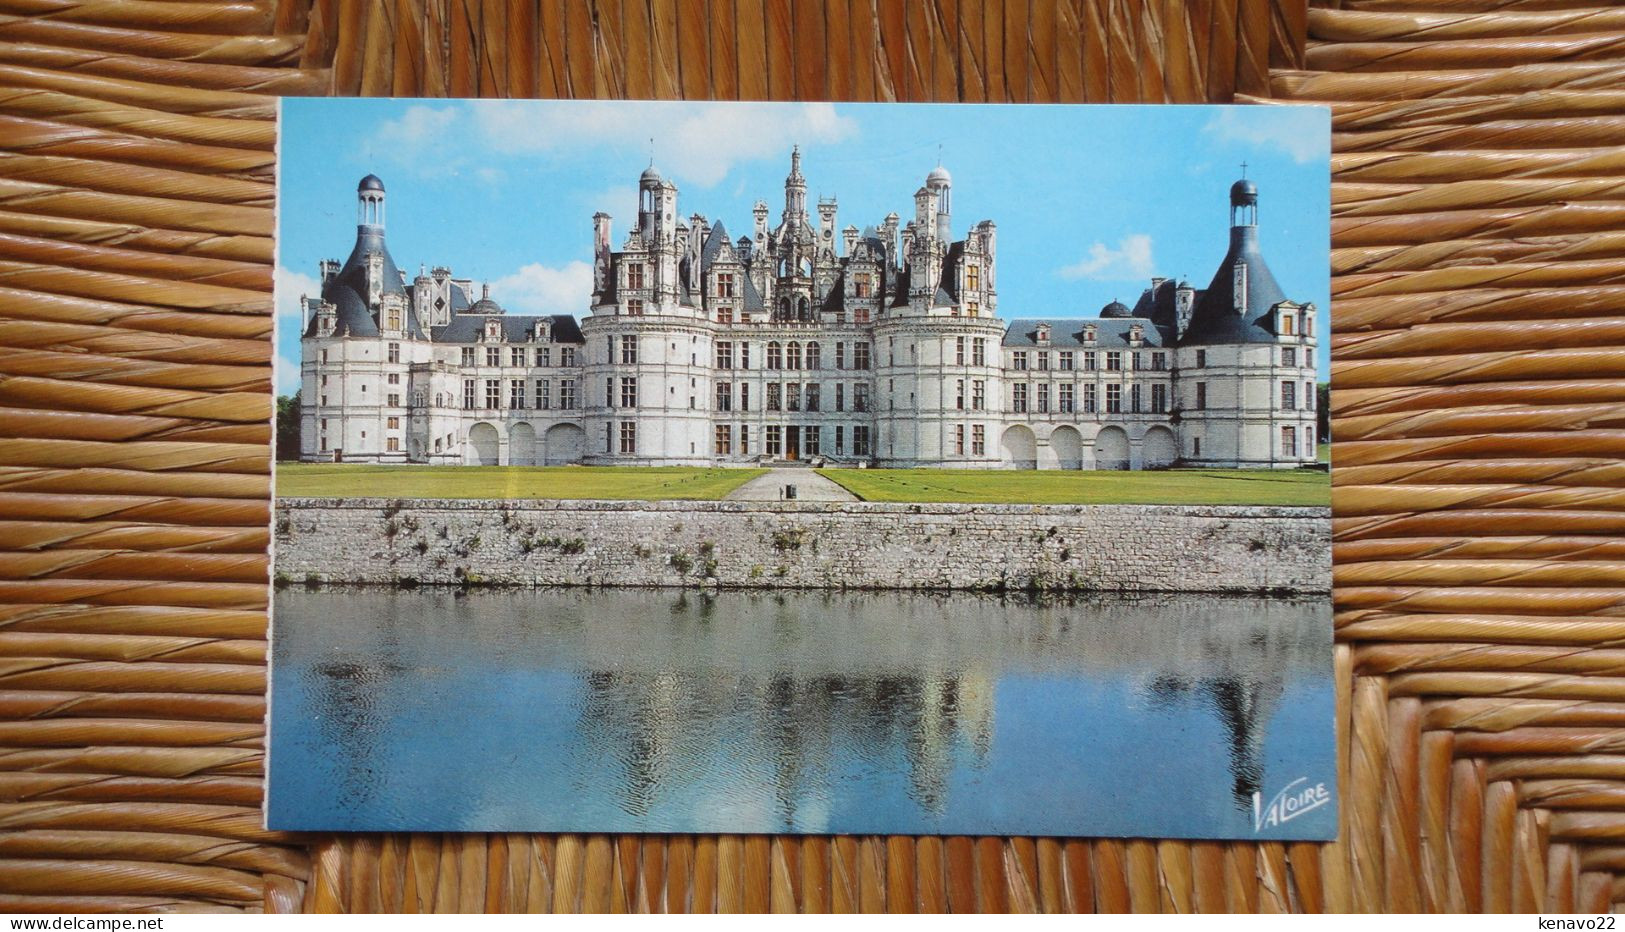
pixel 1111 448
pixel 522 445
pixel 484 446
pixel 1020 447
pixel 1160 449
pixel 1068 446
pixel 562 444
pixel 802 310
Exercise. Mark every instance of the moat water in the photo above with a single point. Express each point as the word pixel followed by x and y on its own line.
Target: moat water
pixel 662 711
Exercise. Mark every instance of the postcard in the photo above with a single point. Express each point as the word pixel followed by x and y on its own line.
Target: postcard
pixel 802 468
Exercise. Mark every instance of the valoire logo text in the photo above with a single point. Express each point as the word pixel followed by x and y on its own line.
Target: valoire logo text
pixel 1293 800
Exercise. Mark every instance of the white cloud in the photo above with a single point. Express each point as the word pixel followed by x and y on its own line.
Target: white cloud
pixel 541 289
pixel 290 319
pixel 1299 131
pixel 418 125
pixel 1130 260
pixel 698 143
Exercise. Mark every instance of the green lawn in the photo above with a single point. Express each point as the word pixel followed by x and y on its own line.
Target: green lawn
pixel 1088 487
pixel 642 483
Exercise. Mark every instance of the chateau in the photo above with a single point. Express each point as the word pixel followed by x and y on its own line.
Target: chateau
pixel 801 340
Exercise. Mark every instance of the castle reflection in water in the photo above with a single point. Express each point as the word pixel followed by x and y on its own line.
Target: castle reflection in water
pixel 568 710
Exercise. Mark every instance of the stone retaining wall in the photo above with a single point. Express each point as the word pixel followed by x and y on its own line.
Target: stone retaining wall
pixel 806 545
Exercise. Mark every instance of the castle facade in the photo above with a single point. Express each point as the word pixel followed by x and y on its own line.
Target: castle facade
pixel 804 341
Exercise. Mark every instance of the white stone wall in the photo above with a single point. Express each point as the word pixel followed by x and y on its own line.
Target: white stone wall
pixel 1117 547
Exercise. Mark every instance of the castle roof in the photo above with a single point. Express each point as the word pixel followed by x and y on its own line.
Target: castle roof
pixel 1111 333
pixel 1215 317
pixel 347 290
pixel 516 328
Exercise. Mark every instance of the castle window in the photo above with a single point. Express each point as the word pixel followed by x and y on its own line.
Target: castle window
pixel 959 440
pixel 1064 401
pixel 629 437
pixel 393 423
pixel 1018 360
pixel 863 286
pixel 724 440
pixel 725 396
pixel 744 405
pixel 840 396
pixel 978 440
pixel 1089 333
pixel 979 352
pixel 1196 446
pixel 959 394
pixel 860 355
pixel 1114 361
pixel 544 356
pixel 973 309
pixel 394 352
pixel 1289 442
pixel 1043 398
pixel 394 378
pixel 1091 400
pixel 1159 398
pixel 809 441
pixel 468 394
pixel 744 355
pixel 775 355
pixel 468 355
pixel 792 396
pixel 394 317
pixel 1288 322
pixel 973 277
pixel 629 392
pixel 567 394
pixel 1043 362
pixel 567 357
pixel 543 395
pixel 744 439
pixel 840 355
pixel 516 393
pixel 775 440
pixel 1066 360
pixel 959 351
pixel 860 315
pixel 1159 362
pixel 1201 359
pixel 393 444
pixel 394 401
pixel 860 440
pixel 1289 356
pixel 1309 396
pixel 324 357
pixel 493 393
pixel 634 276
pixel 629 350
pixel 1201 396
pixel 493 355
pixel 725 355
pixel 1289 396
pixel 1308 324
pixel 860 397
pixel 840 440
pixel 516 356
pixel 775 396
pixel 978 395
pixel 1136 357
pixel 1134 398
pixel 813 356
pixel 634 307
pixel 792 355
pixel 812 396
pixel 1114 398
pixel 725 284
pixel 1089 361
pixel 725 315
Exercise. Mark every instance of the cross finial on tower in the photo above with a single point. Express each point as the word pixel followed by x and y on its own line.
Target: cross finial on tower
pixel 1244 169
pixel 939 155
pixel 651 152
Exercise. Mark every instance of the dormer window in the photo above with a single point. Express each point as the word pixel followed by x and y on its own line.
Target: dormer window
pixel 1043 332
pixel 1089 333
pixel 493 330
pixel 1136 333
pixel 544 331
pixel 1289 323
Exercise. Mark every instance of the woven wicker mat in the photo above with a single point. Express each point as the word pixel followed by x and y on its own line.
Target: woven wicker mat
pixel 1479 232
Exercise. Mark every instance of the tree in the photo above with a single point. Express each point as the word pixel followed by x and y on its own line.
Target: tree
pixel 287 427
pixel 1323 411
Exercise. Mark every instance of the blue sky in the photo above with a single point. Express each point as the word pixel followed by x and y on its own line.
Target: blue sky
pixel 1090 201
